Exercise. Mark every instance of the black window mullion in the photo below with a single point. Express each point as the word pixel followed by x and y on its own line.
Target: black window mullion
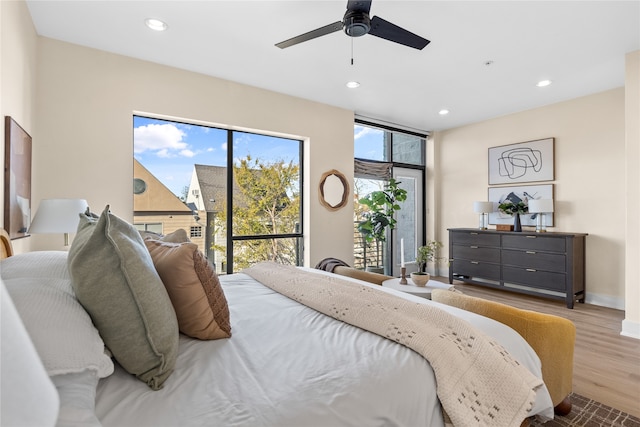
pixel 229 201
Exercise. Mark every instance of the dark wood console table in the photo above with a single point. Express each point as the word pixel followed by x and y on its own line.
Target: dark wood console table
pixel 544 264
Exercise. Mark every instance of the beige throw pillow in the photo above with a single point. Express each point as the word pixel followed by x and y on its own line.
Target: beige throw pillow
pixel 114 279
pixel 194 289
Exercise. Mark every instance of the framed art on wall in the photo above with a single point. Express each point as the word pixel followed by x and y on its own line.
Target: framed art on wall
pixel 523 162
pixel 17 179
pixel 517 194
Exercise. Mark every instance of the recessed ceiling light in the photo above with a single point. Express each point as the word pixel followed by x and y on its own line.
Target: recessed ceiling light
pixel 443 112
pixel 353 84
pixel 156 24
pixel 543 83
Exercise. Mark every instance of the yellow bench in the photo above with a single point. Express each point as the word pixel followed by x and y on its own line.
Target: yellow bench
pixel 552 337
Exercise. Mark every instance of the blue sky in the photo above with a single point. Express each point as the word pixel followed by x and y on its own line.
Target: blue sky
pixel 170 149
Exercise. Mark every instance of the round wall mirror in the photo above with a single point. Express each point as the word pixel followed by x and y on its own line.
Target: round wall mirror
pixel 334 190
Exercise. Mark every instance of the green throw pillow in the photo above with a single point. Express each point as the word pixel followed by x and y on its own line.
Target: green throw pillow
pixel 114 279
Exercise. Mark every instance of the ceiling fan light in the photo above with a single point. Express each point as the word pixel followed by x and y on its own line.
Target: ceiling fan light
pixel 356 24
pixel 353 84
pixel 156 24
pixel 543 83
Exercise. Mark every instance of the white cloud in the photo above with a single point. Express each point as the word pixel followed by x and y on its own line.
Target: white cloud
pixel 224 146
pixel 363 131
pixel 165 140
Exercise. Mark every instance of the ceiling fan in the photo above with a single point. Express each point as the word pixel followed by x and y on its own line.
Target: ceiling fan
pixel 356 22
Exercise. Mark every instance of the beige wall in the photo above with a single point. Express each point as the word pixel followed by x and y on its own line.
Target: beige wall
pixel 18 46
pixel 589 185
pixel 631 324
pixel 86 100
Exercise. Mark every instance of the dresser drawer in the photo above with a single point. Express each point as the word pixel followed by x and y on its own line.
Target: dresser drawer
pixel 471 238
pixel 536 260
pixel 476 253
pixel 475 269
pixel 534 278
pixel 535 243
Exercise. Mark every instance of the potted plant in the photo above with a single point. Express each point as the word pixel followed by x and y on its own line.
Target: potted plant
pixel 425 254
pixel 514 209
pixel 379 216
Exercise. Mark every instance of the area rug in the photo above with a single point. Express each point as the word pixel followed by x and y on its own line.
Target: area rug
pixel 589 413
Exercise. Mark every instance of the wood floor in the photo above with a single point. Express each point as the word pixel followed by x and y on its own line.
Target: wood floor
pixel 606 364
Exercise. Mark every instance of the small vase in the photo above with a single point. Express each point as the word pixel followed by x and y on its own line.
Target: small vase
pixel 420 279
pixel 517 226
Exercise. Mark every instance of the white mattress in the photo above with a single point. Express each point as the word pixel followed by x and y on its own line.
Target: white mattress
pixel 288 365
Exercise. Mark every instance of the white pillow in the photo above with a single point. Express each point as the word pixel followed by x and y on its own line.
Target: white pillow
pixel 28 398
pixel 60 328
pixel 36 264
pixel 77 399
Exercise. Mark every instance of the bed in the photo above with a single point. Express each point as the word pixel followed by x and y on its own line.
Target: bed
pixel 283 362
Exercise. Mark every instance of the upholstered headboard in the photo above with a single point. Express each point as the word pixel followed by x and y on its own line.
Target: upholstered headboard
pixel 6 250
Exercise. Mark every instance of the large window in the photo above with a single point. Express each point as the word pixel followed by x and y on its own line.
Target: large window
pixel 237 194
pixel 382 153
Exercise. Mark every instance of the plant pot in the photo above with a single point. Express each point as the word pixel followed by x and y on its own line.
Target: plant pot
pixel 420 279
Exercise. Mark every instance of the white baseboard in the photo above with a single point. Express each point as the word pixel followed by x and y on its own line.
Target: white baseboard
pixel 605 301
pixel 630 329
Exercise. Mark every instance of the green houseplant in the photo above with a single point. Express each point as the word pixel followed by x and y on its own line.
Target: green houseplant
pixel 379 215
pixel 515 210
pixel 426 253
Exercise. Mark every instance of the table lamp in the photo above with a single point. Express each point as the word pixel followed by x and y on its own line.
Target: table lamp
pixel 58 216
pixel 483 209
pixel 541 207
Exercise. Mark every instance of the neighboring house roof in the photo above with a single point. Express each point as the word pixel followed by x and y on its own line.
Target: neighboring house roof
pixel 213 186
pixel 156 197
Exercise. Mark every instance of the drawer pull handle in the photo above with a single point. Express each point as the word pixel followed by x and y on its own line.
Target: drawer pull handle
pixel 473 247
pixel 531 237
pixel 475 262
pixel 533 270
pixel 473 234
pixel 531 252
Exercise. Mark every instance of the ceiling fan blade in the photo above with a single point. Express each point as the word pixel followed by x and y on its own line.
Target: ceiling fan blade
pixel 388 31
pixel 363 6
pixel 318 32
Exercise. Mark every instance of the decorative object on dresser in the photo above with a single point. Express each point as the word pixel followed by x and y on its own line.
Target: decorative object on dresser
pixel 58 216
pixel 550 265
pixel 483 209
pixel 541 207
pixel 515 209
pixel 516 194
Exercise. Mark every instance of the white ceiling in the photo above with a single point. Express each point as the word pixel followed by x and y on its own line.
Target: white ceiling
pixel 579 45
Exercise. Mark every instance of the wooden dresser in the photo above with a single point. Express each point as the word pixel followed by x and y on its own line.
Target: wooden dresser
pixel 544 264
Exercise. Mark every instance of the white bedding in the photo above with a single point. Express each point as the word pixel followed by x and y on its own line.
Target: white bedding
pixel 288 365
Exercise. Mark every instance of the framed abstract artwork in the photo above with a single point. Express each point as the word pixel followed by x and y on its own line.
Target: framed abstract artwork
pixel 17 179
pixel 523 162
pixel 517 194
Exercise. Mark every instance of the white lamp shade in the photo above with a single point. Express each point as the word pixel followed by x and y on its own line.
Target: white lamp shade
pixel 540 206
pixel 483 207
pixel 58 216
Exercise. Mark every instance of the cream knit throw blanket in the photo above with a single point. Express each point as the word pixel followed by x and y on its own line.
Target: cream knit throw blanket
pixel 478 382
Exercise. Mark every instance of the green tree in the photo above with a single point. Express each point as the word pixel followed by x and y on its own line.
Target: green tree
pixel 265 202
